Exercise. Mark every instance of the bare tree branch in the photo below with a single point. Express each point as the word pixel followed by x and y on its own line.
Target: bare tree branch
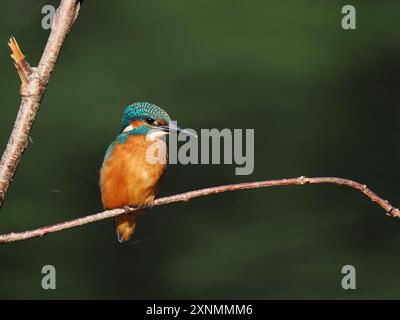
pixel 34 83
pixel 390 210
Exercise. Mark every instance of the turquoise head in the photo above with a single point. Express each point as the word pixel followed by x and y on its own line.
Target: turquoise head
pixel 143 117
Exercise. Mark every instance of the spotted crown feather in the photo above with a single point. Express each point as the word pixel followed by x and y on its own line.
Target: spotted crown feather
pixel 142 110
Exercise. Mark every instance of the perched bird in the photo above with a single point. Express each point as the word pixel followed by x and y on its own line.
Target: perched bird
pixel 127 177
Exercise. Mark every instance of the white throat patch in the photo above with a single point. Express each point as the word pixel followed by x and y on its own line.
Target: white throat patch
pixel 155 134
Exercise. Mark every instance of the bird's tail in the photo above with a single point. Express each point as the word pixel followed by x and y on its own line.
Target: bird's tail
pixel 125 225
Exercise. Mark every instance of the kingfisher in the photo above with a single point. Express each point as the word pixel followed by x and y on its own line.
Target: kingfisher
pixel 135 163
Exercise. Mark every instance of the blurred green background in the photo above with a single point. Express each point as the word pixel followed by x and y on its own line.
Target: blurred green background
pixel 323 102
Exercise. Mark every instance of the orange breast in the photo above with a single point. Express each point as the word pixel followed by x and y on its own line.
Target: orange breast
pixel 127 177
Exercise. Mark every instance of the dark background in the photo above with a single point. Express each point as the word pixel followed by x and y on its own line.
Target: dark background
pixel 323 102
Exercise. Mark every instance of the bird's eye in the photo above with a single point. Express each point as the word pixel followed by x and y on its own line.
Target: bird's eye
pixel 150 121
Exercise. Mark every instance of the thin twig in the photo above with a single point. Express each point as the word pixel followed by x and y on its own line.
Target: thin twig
pixel 34 84
pixel 390 210
pixel 21 64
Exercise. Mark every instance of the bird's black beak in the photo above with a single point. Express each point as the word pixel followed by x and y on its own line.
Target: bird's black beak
pixel 173 128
